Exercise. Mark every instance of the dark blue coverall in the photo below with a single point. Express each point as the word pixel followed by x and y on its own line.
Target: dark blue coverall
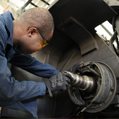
pixel 12 92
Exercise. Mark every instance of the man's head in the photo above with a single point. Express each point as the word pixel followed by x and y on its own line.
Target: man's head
pixel 33 29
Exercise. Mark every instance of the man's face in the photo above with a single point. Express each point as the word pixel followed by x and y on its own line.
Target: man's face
pixel 31 41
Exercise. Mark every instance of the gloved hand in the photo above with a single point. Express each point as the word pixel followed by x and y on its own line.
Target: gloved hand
pixel 57 83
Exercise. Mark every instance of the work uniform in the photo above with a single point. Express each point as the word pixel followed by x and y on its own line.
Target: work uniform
pixel 14 94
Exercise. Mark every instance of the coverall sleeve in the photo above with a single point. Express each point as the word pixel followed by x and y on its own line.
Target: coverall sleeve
pixel 34 66
pixel 12 90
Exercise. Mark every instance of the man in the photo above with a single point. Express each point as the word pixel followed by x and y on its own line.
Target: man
pixel 19 38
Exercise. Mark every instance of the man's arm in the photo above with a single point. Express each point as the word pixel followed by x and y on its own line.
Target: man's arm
pixel 34 66
pixel 12 90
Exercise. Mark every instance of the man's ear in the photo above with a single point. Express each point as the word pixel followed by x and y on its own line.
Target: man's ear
pixel 31 31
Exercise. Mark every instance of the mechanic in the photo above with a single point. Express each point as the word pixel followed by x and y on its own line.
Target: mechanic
pixel 27 34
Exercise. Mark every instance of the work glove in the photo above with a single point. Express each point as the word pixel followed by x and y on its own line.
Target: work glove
pixel 57 83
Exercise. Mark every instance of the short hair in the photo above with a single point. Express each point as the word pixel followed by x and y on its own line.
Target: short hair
pixel 41 18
